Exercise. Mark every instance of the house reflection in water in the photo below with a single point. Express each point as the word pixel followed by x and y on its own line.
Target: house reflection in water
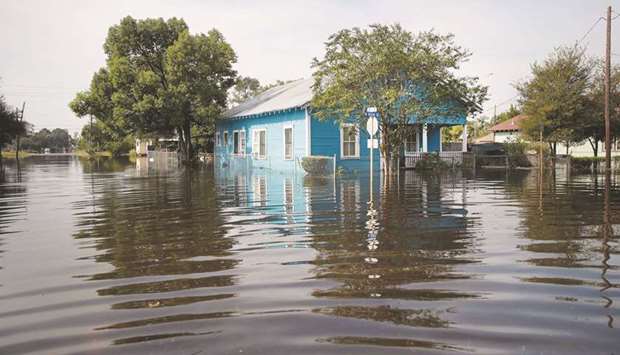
pixel 417 234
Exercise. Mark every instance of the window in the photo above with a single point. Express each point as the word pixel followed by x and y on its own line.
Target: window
pixel 288 143
pixel 225 138
pixel 242 142
pixel 217 139
pixel 259 144
pixel 349 141
pixel 235 142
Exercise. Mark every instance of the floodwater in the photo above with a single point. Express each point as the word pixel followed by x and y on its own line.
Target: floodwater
pixel 114 257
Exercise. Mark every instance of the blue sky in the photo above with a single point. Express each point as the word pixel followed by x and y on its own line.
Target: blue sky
pixel 50 49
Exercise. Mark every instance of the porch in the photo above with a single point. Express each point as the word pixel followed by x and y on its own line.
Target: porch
pixel 454 158
pixel 427 139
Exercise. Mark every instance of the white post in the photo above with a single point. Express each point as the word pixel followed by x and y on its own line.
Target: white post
pixel 424 139
pixel 308 133
pixel 465 137
pixel 417 139
pixel 440 139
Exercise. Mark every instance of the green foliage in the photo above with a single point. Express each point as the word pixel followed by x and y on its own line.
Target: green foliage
pixel 431 162
pixel 586 164
pixel 517 153
pixel 245 88
pixel 317 165
pixel 10 126
pixel 57 140
pixel 159 80
pixel 99 138
pixel 506 115
pixel 409 78
pixel 564 99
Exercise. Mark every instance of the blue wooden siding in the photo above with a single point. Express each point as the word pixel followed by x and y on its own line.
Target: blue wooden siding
pixel 274 126
pixel 434 138
pixel 326 141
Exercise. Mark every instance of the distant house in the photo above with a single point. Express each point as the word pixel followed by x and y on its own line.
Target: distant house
pixel 507 130
pixel 510 130
pixel 276 130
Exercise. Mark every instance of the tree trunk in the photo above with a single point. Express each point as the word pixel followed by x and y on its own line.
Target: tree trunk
pixel 185 150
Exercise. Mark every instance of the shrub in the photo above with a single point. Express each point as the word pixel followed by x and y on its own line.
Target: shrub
pixel 517 153
pixel 431 161
pixel 317 165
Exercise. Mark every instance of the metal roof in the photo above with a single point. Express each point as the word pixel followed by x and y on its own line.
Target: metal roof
pixel 292 95
pixel 509 125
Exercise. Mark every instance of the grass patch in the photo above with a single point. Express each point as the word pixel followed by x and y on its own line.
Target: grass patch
pixel 11 155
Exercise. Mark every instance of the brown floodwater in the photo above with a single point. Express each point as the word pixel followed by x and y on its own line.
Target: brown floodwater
pixel 114 257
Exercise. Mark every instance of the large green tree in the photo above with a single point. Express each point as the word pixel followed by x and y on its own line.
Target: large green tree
pixel 160 80
pixel 591 126
pixel 408 77
pixel 555 98
pixel 10 125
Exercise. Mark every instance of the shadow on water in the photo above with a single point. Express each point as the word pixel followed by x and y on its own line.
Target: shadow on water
pixel 160 260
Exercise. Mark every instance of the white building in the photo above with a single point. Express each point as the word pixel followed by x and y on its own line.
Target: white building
pixel 510 130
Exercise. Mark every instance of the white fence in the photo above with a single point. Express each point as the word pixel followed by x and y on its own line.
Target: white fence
pixel 452 158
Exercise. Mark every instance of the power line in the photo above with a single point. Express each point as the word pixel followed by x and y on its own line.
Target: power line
pixel 591 28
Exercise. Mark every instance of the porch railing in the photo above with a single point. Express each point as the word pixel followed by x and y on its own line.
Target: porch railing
pixel 452 158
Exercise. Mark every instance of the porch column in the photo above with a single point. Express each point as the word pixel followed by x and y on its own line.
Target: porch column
pixel 440 139
pixel 465 137
pixel 424 138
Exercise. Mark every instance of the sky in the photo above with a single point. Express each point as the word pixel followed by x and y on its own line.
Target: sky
pixel 49 50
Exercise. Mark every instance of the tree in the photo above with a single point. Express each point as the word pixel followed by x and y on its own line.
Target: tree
pixel 57 140
pixel 10 125
pixel 591 126
pixel 554 99
pixel 506 115
pixel 409 78
pixel 245 88
pixel 159 80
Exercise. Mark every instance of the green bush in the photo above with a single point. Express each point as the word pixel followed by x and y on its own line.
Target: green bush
pixel 517 153
pixel 317 165
pixel 431 161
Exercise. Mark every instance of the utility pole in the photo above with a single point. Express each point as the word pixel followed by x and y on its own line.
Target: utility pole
pixel 607 90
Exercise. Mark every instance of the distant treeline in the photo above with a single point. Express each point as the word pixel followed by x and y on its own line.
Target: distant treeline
pixel 57 141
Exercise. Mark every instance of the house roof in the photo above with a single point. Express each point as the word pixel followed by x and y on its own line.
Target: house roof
pixel 510 125
pixel 288 96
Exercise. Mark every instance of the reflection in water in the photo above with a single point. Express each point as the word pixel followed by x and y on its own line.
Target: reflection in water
pixel 147 258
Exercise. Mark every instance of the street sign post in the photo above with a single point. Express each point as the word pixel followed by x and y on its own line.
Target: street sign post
pixel 372 126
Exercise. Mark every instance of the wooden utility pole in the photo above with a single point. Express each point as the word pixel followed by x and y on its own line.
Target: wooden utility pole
pixel 607 91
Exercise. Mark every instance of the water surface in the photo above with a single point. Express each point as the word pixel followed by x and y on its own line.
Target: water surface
pixel 115 257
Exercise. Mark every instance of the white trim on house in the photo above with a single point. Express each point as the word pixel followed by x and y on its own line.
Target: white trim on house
pixel 440 138
pixel 225 137
pixel 242 142
pixel 308 133
pixel 235 146
pixel 256 144
pixel 357 141
pixel 424 138
pixel 284 128
pixel 218 140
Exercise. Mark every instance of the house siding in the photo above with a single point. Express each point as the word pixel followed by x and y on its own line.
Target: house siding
pixel 274 126
pixel 325 141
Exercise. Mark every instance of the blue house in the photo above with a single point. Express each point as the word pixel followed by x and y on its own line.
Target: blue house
pixel 276 129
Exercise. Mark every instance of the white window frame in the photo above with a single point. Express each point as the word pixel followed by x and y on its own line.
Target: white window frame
pixel 256 144
pixel 235 146
pixel 284 142
pixel 357 141
pixel 225 138
pixel 218 141
pixel 242 142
